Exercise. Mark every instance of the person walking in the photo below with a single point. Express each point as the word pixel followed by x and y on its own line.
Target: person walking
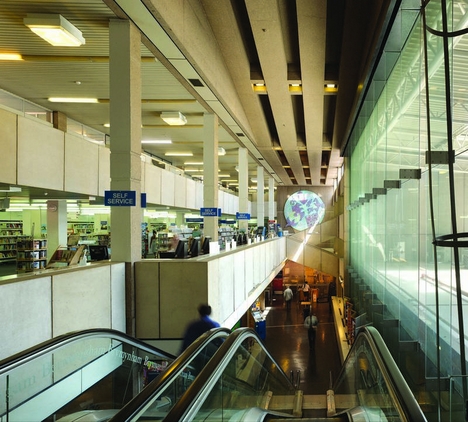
pixel 311 323
pixel 306 290
pixel 154 244
pixel 288 295
pixel 196 328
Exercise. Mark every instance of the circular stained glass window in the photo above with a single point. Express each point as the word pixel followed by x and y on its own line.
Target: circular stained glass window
pixel 304 209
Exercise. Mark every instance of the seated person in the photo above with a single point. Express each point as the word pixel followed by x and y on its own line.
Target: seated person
pixel 174 242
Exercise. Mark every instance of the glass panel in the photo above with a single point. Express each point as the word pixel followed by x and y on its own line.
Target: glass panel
pixel 85 374
pixel 363 384
pixel 246 380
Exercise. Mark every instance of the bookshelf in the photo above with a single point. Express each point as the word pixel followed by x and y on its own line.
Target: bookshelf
pixel 9 233
pixel 31 254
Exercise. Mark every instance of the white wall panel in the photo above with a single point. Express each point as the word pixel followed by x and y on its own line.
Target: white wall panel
pixel 40 155
pixel 8 145
pixel 180 191
pixel 152 186
pixel 190 193
pixel 199 194
pixel 167 188
pixel 81 300
pixel 118 321
pixel 104 170
pixel 25 315
pixel 81 154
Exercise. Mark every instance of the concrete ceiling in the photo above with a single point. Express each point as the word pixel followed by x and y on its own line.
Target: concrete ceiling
pixel 203 56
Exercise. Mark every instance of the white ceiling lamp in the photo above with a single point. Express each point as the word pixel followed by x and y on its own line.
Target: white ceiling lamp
pixel 72 100
pixel 178 154
pixel 55 29
pixel 221 151
pixel 174 118
pixel 11 56
pixel 156 141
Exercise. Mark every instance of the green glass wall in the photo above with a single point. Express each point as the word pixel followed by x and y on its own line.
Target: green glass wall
pixel 408 165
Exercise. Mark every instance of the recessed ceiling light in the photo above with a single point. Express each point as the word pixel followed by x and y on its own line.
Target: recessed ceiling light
pixel 156 141
pixel 10 56
pixel 55 29
pixel 72 100
pixel 178 154
pixel 193 163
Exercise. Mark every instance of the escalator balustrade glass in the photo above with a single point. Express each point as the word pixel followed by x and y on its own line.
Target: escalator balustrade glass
pixel 240 376
pixel 371 381
pixel 86 372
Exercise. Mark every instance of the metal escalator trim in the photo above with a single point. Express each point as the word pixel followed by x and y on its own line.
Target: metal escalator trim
pixel 49 346
pixel 401 394
pixel 195 395
pixel 157 386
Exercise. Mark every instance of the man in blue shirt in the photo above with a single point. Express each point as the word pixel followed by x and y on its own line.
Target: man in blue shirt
pixel 196 328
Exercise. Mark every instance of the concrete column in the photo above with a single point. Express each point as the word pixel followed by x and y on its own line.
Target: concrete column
pixel 271 199
pixel 260 196
pixel 210 173
pixel 243 187
pixel 125 145
pixel 56 226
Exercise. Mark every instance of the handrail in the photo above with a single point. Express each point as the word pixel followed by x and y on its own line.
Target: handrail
pixel 399 390
pixel 47 346
pixel 156 386
pixel 213 370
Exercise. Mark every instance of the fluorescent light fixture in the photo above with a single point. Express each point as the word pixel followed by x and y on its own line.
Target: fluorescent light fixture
pixel 178 154
pixel 10 56
pixel 72 100
pixel 156 141
pixel 193 170
pixel 106 124
pixel 221 151
pixel 11 189
pixel 224 175
pixel 55 29
pixel 173 118
pixel 193 163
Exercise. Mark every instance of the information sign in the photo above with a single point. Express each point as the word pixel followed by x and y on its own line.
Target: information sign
pixel 210 212
pixel 242 216
pixel 120 198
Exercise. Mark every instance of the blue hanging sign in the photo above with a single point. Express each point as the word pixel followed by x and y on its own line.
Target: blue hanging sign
pixel 242 216
pixel 120 198
pixel 210 212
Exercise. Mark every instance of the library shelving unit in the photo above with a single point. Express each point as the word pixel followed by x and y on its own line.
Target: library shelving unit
pixel 163 241
pixel 31 254
pixel 9 232
pixel 81 228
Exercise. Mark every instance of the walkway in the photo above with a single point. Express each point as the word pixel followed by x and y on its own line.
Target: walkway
pixel 286 340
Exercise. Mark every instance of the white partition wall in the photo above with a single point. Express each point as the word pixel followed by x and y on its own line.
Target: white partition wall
pixel 38 307
pixel 169 291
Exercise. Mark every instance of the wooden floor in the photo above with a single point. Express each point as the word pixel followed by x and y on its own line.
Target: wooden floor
pixel 286 340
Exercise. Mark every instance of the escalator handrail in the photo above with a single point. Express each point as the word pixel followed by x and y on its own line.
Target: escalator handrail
pixel 50 345
pixel 400 391
pixel 200 387
pixel 155 387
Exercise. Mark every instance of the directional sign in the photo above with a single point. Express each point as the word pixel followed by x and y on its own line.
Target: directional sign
pixel 242 216
pixel 120 198
pixel 210 212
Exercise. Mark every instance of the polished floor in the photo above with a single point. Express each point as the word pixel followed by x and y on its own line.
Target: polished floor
pixel 287 341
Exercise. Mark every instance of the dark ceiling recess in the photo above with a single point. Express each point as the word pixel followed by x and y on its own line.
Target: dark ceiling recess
pixel 196 82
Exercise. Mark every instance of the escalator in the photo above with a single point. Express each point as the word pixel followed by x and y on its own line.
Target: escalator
pixel 242 382
pixel 90 375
